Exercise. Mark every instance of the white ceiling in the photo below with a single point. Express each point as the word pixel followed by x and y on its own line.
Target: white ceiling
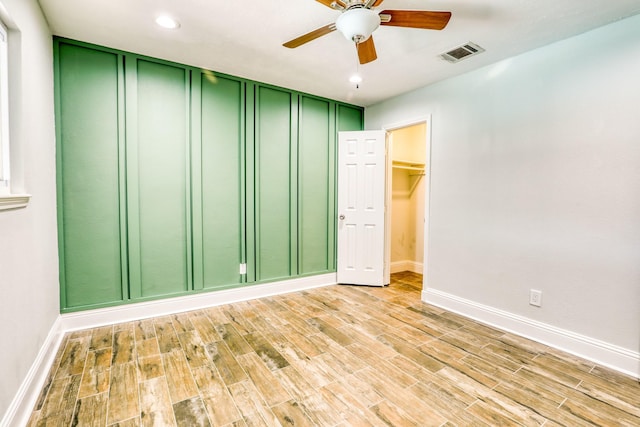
pixel 244 38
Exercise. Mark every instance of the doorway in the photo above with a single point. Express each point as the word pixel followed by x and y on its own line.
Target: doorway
pixel 407 196
pixel 406 161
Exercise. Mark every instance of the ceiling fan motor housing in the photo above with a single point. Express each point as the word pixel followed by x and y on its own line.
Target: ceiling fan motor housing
pixel 357 24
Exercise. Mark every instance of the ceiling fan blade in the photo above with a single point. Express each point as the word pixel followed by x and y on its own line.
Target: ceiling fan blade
pixel 305 38
pixel 367 51
pixel 416 19
pixel 329 3
pixel 370 4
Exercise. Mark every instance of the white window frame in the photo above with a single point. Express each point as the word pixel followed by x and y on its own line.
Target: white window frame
pixel 5 170
pixel 8 200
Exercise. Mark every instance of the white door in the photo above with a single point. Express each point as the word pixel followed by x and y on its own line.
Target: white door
pixel 361 208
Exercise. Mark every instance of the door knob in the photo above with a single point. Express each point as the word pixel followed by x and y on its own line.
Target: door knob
pixel 341 217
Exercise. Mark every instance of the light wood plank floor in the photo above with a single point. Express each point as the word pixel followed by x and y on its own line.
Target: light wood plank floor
pixel 334 356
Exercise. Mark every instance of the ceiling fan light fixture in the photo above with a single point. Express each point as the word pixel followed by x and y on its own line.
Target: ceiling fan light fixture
pixel 358 24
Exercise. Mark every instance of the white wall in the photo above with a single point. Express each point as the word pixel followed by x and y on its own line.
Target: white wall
pixel 536 183
pixel 29 302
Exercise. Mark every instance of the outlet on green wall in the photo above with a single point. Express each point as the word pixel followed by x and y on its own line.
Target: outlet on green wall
pixel 170 177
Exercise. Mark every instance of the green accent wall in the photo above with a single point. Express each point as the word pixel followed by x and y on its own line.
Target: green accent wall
pixel 221 188
pixel 89 184
pixel 349 118
pixel 274 173
pixel 159 203
pixel 315 191
pixel 170 177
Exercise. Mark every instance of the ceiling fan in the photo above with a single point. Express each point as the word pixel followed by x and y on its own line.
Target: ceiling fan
pixel 358 21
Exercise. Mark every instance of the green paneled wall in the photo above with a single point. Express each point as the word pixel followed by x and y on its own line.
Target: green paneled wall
pixel 221 184
pixel 315 191
pixel 349 118
pixel 274 172
pixel 89 102
pixel 157 142
pixel 170 177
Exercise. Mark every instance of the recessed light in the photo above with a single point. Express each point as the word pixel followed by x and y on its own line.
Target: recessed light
pixel 165 21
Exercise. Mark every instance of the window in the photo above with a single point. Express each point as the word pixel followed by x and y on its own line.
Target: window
pixel 7 199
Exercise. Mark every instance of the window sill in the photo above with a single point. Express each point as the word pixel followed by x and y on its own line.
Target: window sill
pixel 14 201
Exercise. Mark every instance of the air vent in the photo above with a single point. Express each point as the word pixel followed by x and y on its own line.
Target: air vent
pixel 467 50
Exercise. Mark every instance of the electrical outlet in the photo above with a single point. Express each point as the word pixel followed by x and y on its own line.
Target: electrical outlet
pixel 243 268
pixel 535 297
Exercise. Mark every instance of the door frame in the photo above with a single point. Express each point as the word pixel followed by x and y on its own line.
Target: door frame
pixel 427 190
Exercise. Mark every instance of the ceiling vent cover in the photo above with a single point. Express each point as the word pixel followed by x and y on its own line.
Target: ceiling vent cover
pixel 467 50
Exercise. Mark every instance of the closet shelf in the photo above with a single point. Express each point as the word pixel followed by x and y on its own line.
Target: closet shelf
pixel 409 165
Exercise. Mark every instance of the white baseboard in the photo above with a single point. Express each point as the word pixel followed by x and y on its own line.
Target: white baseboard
pixel 20 409
pixel 406 265
pixel 609 355
pixel 129 312
pixel 25 399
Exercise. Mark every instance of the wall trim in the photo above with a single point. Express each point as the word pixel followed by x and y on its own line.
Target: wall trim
pixel 14 201
pixel 603 353
pixel 406 265
pixel 126 313
pixel 19 410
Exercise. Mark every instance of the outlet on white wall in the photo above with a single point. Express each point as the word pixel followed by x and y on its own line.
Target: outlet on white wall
pixel 535 297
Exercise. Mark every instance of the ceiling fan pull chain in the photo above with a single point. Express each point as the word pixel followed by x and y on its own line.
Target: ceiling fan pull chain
pixel 356 78
pixel 357 69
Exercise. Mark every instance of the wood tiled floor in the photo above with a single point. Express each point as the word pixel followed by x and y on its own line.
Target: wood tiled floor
pixel 334 356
